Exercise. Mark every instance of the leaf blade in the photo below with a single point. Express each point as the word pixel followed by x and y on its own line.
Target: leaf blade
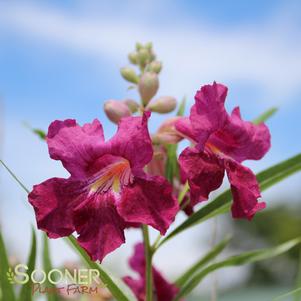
pixel 47 268
pixel 202 262
pixel 6 286
pixel 265 115
pixel 237 260
pixel 25 293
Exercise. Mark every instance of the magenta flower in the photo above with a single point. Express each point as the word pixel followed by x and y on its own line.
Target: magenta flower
pixel 222 142
pixel 107 190
pixel 163 290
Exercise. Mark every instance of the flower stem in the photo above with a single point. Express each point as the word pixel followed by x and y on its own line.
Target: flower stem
pixel 148 261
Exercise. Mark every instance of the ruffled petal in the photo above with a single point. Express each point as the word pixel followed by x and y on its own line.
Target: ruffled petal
pixel 245 190
pixel 74 145
pixel 242 140
pixel 208 114
pixel 137 286
pixel 100 227
pixel 53 202
pixel 184 127
pixel 149 201
pixel 204 172
pixel 132 141
pixel 165 291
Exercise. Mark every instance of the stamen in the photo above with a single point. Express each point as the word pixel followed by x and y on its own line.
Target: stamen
pixel 113 176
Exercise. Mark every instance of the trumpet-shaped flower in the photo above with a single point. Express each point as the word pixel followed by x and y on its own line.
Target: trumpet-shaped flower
pixel 221 142
pixel 107 189
pixel 163 290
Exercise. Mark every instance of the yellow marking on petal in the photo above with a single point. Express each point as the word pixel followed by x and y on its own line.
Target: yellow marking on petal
pixel 213 148
pixel 110 177
pixel 116 185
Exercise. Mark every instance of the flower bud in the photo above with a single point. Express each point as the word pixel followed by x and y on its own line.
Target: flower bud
pixel 129 74
pixel 155 66
pixel 167 133
pixel 148 86
pixel 143 56
pixel 162 105
pixel 139 46
pixel 132 105
pixel 133 58
pixel 115 110
pixel 149 45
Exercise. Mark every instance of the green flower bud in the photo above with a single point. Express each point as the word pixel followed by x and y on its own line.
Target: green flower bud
pixel 148 86
pixel 149 45
pixel 155 66
pixel 129 74
pixel 143 56
pixel 162 105
pixel 139 46
pixel 133 58
pixel 132 105
pixel 115 110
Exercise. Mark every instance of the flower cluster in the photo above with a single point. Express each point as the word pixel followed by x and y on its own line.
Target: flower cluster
pixel 121 182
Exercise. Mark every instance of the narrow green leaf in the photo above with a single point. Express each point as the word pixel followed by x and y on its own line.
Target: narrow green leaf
pixel 244 258
pixel 14 176
pixel 297 294
pixel 6 287
pixel 265 116
pixel 182 106
pixel 202 262
pixel 289 294
pixel 40 133
pixel 25 294
pixel 116 286
pixel 47 268
pixel 221 204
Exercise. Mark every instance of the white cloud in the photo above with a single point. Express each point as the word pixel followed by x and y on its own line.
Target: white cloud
pixel 265 55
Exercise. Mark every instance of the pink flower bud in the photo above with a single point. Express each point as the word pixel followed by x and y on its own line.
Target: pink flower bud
pixel 167 133
pixel 148 86
pixel 164 104
pixel 115 110
pixel 129 74
pixel 132 105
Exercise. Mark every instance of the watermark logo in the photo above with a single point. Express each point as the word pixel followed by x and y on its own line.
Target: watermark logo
pixel 80 281
pixel 10 276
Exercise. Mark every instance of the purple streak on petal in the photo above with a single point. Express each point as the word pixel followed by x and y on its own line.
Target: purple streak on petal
pixel 100 227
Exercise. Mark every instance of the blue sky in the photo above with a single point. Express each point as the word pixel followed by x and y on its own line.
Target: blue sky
pixel 61 59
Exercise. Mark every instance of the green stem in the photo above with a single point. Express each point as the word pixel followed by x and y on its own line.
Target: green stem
pixel 183 192
pixel 156 243
pixel 148 261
